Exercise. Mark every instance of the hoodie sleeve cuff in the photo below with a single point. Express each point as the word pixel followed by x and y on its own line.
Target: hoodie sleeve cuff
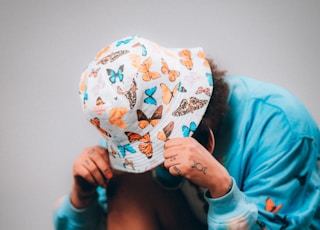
pixel 79 216
pixel 233 205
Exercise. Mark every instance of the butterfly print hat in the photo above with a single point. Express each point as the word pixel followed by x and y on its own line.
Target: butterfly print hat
pixel 139 94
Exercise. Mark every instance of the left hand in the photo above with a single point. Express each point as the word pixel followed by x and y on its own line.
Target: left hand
pixel 188 158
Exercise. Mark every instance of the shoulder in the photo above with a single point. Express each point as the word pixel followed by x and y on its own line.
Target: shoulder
pixel 264 101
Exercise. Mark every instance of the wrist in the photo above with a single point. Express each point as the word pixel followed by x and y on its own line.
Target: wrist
pixel 222 189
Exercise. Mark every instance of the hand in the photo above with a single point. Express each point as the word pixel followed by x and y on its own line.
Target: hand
pixel 188 158
pixel 91 169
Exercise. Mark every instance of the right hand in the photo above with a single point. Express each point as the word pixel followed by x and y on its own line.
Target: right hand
pixel 91 169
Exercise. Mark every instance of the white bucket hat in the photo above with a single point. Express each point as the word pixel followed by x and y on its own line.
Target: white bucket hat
pixel 140 94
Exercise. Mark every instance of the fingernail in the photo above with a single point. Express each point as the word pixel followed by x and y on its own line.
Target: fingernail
pixel 109 175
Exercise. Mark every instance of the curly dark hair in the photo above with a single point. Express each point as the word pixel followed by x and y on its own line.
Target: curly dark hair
pixel 217 107
pixel 213 116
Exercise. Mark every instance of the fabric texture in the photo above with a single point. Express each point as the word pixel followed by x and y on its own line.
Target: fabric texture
pixel 139 94
pixel 269 144
pixel 67 217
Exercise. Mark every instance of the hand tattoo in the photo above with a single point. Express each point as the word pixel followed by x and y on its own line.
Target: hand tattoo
pixel 175 168
pixel 200 167
pixel 91 151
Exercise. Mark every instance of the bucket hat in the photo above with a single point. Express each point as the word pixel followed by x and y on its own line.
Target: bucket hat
pixel 139 94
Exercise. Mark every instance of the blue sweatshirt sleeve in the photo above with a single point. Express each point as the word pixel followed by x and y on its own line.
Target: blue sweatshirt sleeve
pixel 286 186
pixel 231 210
pixel 67 217
pixel 273 161
pixel 281 194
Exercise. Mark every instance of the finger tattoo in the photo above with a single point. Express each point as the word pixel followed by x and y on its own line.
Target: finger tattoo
pixel 172 158
pixel 177 170
pixel 91 151
pixel 87 162
pixel 200 167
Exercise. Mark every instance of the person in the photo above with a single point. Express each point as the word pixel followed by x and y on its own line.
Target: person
pixel 186 146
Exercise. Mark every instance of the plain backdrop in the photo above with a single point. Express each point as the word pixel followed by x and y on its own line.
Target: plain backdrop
pixel 45 45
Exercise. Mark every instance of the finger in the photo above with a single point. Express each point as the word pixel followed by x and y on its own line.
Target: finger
pixel 173 142
pixel 95 172
pixel 83 172
pixel 104 167
pixel 171 151
pixel 99 156
pixel 170 161
pixel 175 170
pixel 177 141
pixel 174 146
pixel 96 150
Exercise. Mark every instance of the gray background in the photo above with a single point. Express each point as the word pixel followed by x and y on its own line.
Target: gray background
pixel 46 44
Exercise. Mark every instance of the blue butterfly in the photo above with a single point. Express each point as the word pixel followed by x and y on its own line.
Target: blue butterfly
pixel 85 95
pixel 124 148
pixel 149 93
pixel 114 75
pixel 186 130
pixel 126 41
pixel 144 50
pixel 210 78
pixel 181 88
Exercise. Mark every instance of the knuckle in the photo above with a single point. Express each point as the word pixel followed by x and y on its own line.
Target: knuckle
pixel 188 159
pixel 100 149
pixel 106 170
pixel 94 171
pixel 94 157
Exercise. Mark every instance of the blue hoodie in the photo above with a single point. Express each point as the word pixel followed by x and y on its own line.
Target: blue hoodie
pixel 270 146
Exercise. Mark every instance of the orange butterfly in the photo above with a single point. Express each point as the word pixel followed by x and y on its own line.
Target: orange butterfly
pixel 145 145
pixel 186 59
pixel 96 122
pixel 173 74
pixel 167 94
pixel 83 84
pixel 202 54
pixel 158 48
pixel 103 51
pixel 144 67
pixel 116 115
pixel 144 121
pixel 270 206
pixel 166 132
